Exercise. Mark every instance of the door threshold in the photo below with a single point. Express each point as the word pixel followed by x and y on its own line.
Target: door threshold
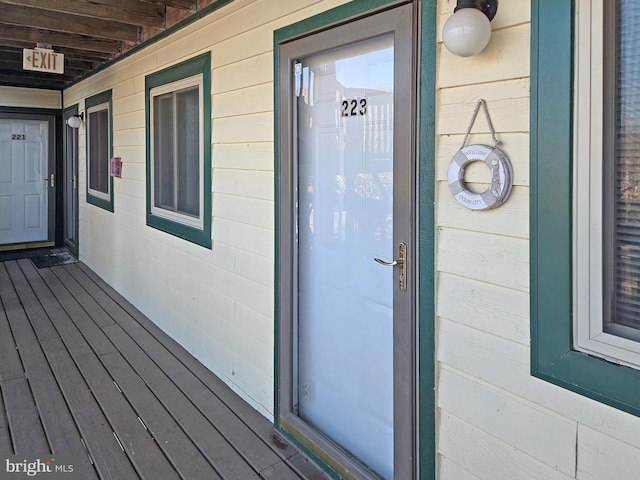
pixel 17 254
pixel 25 246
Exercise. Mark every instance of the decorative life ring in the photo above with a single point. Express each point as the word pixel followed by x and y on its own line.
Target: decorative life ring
pixel 501 177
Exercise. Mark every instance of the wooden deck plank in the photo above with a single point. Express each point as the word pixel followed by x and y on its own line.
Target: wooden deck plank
pixel 182 453
pixel 27 434
pixel 145 454
pixel 109 460
pixel 10 364
pixel 38 319
pixel 59 426
pixel 84 337
pixel 241 409
pixel 261 427
pixel 94 428
pixel 6 447
pixel 259 454
pixel 229 463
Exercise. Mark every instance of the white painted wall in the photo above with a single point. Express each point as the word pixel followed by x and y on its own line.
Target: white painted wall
pixel 495 421
pixel 29 97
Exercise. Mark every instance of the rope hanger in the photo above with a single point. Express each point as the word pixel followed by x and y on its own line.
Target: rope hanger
pixel 483 103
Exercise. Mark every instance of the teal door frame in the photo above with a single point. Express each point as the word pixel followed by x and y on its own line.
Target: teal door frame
pixel 426 46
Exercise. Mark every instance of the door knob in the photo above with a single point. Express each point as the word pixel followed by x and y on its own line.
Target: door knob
pixel 401 261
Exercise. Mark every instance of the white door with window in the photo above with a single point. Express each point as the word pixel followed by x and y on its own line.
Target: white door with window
pixel 26 181
pixel 350 365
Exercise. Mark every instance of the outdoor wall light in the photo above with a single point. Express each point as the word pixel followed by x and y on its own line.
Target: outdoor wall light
pixel 75 120
pixel 468 30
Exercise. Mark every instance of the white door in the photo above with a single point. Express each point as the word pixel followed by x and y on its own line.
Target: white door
pixel 24 181
pixel 352 289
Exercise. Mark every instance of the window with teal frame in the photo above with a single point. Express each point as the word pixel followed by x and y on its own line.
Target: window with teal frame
pixel 99 135
pixel 554 316
pixel 178 121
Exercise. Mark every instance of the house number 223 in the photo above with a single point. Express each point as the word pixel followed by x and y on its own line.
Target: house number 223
pixel 354 107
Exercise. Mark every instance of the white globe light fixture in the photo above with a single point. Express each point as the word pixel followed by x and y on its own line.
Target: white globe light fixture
pixel 468 30
pixel 75 120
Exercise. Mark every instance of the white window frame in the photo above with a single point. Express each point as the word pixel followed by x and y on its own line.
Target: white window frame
pixel 97 193
pixel 588 223
pixel 183 84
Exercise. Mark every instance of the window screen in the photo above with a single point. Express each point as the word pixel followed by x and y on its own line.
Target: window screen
pixel 176 118
pixel 99 151
pixel 622 160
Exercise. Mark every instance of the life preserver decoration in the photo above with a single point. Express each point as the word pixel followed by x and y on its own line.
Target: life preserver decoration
pixel 501 177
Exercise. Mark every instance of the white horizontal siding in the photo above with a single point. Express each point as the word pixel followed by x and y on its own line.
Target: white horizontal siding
pixel 487 457
pixel 496 421
pixel 29 98
pixel 549 438
pixel 602 457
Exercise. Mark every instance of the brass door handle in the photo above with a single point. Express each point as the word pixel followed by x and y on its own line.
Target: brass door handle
pixel 401 261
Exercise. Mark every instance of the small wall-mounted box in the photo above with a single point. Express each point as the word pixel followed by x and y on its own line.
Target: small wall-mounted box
pixel 116 167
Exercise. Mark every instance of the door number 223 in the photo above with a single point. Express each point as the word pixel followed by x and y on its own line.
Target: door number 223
pixel 354 107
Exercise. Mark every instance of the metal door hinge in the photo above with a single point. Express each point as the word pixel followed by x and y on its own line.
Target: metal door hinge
pixel 297 77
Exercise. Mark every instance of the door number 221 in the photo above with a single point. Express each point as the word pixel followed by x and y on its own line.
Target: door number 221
pixel 354 107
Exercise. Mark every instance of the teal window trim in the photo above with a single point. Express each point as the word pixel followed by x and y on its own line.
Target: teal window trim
pixel 552 355
pixel 426 174
pixel 100 98
pixel 195 66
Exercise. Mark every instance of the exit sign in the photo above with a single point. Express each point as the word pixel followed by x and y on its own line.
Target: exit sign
pixel 42 60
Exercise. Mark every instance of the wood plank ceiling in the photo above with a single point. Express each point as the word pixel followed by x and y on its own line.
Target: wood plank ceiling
pixel 88 32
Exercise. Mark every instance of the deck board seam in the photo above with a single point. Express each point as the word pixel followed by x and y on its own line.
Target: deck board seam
pixel 37 276
pixel 238 449
pixel 132 405
pixel 114 306
pixel 38 369
pixel 9 295
pixel 168 348
pixel 81 326
pixel 135 314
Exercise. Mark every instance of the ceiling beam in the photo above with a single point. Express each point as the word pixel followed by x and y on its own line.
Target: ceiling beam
pixel 183 4
pixel 15 81
pixel 67 23
pixel 35 35
pixel 26 74
pixel 83 55
pixel 133 12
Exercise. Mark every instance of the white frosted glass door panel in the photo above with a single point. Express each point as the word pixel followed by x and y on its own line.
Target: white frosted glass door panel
pixel 345 219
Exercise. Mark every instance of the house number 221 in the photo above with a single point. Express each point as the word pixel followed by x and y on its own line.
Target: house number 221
pixel 18 136
pixel 354 107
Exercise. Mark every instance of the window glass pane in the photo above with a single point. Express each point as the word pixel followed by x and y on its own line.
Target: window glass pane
pixel 625 132
pixel 188 152
pixel 163 149
pixel 99 151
